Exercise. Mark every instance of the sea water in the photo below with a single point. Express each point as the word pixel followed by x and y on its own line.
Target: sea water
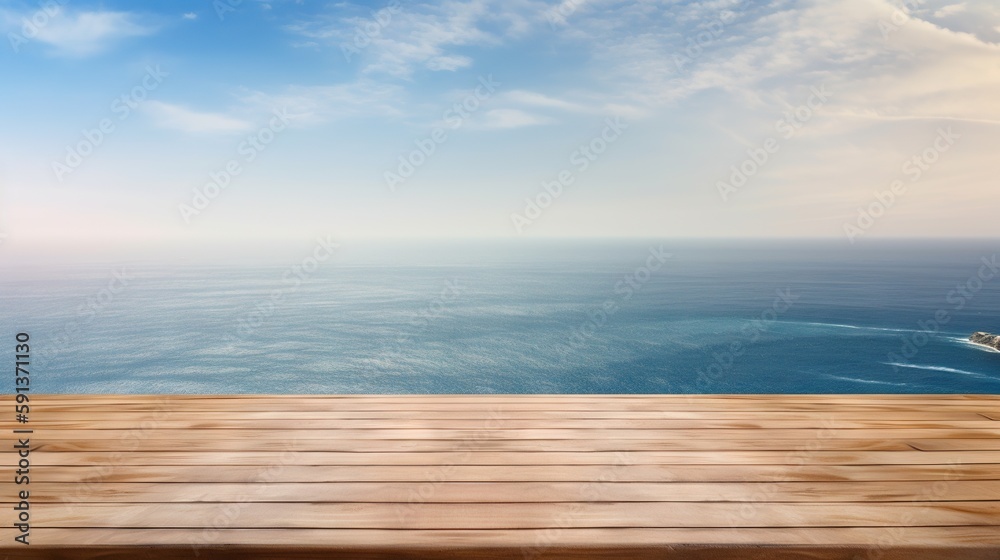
pixel 597 316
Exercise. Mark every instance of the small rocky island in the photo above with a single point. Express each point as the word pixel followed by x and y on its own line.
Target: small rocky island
pixel 986 339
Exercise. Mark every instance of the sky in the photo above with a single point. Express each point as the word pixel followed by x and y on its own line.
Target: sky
pixel 195 122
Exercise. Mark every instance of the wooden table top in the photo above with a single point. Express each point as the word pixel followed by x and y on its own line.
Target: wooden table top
pixel 507 476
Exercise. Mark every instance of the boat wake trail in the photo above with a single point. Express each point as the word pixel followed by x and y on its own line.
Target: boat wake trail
pixel 871 381
pixel 938 368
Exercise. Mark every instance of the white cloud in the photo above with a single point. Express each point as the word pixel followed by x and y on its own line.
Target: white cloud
pixel 448 62
pixel 190 15
pixel 762 56
pixel 531 98
pixel 528 108
pixel 180 118
pixel 300 105
pixel 509 118
pixel 82 34
pixel 423 36
pixel 765 57
pixel 560 13
pixel 312 105
pixel 949 10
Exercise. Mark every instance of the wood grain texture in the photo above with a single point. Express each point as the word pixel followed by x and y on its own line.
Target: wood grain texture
pixel 510 476
pixel 521 492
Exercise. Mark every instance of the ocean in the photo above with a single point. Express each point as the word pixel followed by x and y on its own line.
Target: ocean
pixel 598 316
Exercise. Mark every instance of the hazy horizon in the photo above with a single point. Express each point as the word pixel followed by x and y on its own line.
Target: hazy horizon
pixel 435 251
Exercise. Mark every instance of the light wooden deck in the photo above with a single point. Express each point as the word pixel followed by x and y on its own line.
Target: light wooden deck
pixel 694 477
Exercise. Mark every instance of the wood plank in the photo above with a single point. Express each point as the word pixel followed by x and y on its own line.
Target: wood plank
pixel 667 434
pixel 661 418
pixel 230 423
pixel 968 537
pixel 707 424
pixel 444 434
pixel 458 550
pixel 529 492
pixel 317 450
pixel 477 409
pixel 955 444
pixel 474 412
pixel 580 443
pixel 263 469
pixel 245 515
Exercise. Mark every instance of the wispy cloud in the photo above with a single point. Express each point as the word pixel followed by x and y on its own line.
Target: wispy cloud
pixel 422 36
pixel 509 118
pixel 181 118
pixel 535 99
pixel 763 56
pixel 314 105
pixel 949 10
pixel 448 63
pixel 82 33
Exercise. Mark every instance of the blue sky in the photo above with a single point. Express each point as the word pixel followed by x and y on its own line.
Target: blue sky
pixel 322 108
